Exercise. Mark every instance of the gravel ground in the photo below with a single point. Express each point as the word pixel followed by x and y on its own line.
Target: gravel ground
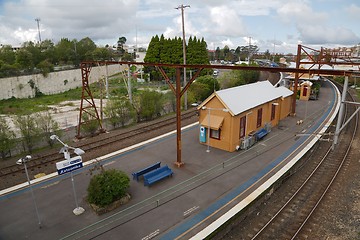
pixel 340 218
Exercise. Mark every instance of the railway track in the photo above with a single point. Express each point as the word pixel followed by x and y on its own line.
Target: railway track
pixel 103 141
pixel 290 216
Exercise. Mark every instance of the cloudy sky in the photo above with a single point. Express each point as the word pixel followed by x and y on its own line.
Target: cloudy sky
pixel 274 25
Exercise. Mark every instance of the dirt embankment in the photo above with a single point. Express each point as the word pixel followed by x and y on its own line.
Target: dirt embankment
pixel 272 77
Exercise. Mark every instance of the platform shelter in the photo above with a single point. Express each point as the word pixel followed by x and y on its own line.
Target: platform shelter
pixel 230 118
pixel 305 90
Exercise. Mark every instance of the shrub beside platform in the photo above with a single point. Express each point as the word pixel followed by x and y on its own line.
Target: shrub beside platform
pixel 101 210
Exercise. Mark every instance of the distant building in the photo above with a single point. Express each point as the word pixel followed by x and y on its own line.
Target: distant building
pixel 342 52
pixel 12 47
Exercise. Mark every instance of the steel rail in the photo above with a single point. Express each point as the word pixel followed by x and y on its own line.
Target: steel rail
pixel 90 146
pixel 332 180
pixel 295 194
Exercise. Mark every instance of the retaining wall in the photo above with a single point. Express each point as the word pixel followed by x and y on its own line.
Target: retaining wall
pixel 55 82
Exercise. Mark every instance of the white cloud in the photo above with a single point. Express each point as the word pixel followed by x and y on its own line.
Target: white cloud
pixel 252 8
pixel 228 43
pixel 169 33
pixel 25 35
pixel 219 22
pixel 68 18
pixel 316 34
pixel 353 11
pixel 225 22
pixel 299 12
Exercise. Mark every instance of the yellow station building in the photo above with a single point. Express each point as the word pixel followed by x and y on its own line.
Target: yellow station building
pixel 237 117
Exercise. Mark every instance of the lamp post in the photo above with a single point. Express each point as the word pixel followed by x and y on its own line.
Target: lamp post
pixel 208 141
pixel 209 112
pixel 22 161
pixel 65 150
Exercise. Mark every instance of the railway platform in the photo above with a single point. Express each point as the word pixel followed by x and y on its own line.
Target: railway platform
pixel 205 192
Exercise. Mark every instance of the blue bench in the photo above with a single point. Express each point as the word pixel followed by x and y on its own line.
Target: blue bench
pixel 138 174
pixel 260 134
pixel 157 175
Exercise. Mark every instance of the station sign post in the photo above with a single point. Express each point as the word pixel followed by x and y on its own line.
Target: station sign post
pixel 69 165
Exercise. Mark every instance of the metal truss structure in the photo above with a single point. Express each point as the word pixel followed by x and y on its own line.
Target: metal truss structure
pixel 179 90
pixel 319 58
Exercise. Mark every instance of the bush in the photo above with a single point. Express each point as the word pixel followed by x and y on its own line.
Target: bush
pixel 107 187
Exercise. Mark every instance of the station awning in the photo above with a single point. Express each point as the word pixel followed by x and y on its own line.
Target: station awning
pixel 215 121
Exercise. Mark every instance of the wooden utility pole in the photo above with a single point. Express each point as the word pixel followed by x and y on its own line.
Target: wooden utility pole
pixel 184 48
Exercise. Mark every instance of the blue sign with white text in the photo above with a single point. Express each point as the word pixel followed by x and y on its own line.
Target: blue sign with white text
pixel 70 168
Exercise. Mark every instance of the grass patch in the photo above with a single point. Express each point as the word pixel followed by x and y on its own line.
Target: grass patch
pixel 41 103
pixel 31 105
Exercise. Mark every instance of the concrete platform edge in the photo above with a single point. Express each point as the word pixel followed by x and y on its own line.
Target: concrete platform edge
pixel 207 231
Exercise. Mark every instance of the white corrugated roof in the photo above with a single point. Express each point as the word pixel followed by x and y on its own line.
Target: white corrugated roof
pixel 284 91
pixel 242 98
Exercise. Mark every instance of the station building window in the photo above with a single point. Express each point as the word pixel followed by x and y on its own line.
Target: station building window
pixel 273 110
pixel 215 133
pixel 305 89
pixel 259 118
pixel 242 127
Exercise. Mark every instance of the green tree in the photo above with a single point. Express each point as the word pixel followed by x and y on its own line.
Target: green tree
pixel 147 105
pixel 127 57
pixel 29 131
pixel 35 51
pixel 153 52
pixel 249 76
pixel 7 137
pixel 170 100
pixel 7 55
pixel 238 77
pixel 204 87
pixel 65 51
pixel 204 52
pixel 47 48
pixel 231 79
pixel 85 48
pixel 267 54
pixel 177 51
pixel 119 111
pixel 226 51
pixel 48 126
pixel 210 81
pixel 90 123
pixel 45 67
pixel 200 91
pixel 217 53
pixel 25 59
pixel 153 56
pixel 151 104
pixel 120 45
pixel 8 70
pixel 107 187
pixel 237 53
pixel 101 54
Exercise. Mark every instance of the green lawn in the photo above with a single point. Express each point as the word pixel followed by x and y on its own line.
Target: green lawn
pixel 41 103
pixel 31 105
